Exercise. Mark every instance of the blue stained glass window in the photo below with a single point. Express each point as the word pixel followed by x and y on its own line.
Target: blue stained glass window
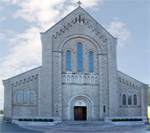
pixel 31 97
pixel 135 99
pixel 91 65
pixel 129 97
pixel 18 97
pixel 79 58
pixel 68 60
pixel 124 99
pixel 25 95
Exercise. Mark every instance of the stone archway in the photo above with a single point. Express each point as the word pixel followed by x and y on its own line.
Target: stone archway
pixel 80 108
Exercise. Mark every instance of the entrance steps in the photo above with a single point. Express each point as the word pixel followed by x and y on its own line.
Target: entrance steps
pixel 84 123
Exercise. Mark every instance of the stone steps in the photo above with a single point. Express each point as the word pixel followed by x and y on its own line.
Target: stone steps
pixel 83 123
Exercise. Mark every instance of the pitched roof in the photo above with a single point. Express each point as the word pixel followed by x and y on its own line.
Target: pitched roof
pixel 80 11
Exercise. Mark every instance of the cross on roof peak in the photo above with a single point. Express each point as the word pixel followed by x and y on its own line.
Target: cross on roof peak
pixel 79 3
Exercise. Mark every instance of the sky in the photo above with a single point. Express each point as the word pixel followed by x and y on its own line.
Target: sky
pixel 21 22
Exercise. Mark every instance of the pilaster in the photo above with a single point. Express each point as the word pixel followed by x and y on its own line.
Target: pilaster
pixel 112 71
pixel 57 84
pixel 7 100
pixel 46 77
pixel 103 85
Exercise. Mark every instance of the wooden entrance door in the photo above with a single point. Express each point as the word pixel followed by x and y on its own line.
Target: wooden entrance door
pixel 79 113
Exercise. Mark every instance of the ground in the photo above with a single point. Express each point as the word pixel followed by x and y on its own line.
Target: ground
pixel 13 128
pixel 79 126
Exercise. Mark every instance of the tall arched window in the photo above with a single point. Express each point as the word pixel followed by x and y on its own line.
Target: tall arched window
pixel 79 58
pixel 129 97
pixel 124 99
pixel 68 60
pixel 91 65
pixel 18 98
pixel 32 97
pixel 25 95
pixel 135 99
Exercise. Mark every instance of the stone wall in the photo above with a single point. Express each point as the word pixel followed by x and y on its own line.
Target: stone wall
pixel 126 83
pixel 30 80
pixel 57 90
pixel 73 93
pixel 79 27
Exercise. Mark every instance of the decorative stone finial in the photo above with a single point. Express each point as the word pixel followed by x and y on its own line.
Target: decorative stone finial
pixel 79 3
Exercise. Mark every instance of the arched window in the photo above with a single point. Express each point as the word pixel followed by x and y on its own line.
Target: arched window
pixel 31 97
pixel 25 95
pixel 79 58
pixel 129 97
pixel 91 65
pixel 135 99
pixel 124 99
pixel 68 60
pixel 18 98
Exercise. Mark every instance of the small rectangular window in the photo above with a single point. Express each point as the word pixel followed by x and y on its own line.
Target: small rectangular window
pixel 104 109
pixel 135 99
pixel 119 79
pixel 124 99
pixel 126 82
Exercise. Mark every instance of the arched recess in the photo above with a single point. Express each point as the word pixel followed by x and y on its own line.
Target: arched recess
pixel 80 100
pixel 84 37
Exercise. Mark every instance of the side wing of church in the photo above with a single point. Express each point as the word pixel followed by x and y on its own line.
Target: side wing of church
pixel 78 79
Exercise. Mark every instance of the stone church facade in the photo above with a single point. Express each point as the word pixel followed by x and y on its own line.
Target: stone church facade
pixel 78 79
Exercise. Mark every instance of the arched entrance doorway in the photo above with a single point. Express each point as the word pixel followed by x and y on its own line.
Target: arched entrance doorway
pixel 80 108
pixel 80 111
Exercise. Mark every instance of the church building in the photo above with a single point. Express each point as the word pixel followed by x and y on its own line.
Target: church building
pixel 78 79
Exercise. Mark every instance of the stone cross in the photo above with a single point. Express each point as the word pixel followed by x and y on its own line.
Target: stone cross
pixel 79 3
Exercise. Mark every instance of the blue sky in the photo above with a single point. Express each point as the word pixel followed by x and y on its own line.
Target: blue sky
pixel 21 22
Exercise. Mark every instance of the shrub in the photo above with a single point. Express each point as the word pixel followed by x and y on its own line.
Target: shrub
pixel 35 120
pixel 25 119
pixel 50 120
pixel 127 119
pixel 20 119
pixel 40 120
pixel 45 120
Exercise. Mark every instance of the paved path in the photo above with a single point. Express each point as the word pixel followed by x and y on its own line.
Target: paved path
pixel 77 127
pixel 13 128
